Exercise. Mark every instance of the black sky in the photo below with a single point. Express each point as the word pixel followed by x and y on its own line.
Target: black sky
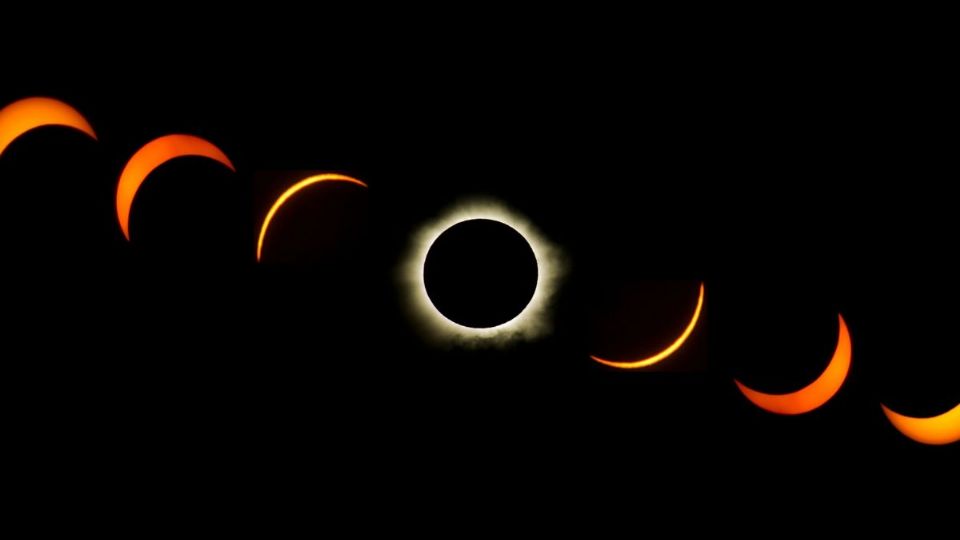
pixel 793 191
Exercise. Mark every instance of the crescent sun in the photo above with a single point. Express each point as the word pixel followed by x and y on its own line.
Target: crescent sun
pixel 21 116
pixel 326 177
pixel 649 361
pixel 152 155
pixel 816 393
pixel 940 429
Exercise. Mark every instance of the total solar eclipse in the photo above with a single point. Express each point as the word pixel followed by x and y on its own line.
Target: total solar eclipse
pixel 480 273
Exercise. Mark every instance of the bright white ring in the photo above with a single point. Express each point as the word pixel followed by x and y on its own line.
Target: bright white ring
pixel 532 322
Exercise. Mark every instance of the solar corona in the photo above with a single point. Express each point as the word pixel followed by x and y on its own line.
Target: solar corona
pixel 480 274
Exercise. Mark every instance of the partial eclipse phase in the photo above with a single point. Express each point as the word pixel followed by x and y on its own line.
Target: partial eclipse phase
pixel 660 356
pixel 22 116
pixel 293 190
pixel 152 155
pixel 814 394
pixel 935 430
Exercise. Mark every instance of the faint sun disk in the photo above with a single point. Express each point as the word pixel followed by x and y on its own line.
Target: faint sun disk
pixel 152 155
pixel 290 192
pixel 531 322
pixel 940 429
pixel 816 393
pixel 645 362
pixel 21 116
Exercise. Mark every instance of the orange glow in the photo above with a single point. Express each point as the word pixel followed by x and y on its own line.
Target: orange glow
pixel 326 177
pixel 152 155
pixel 942 429
pixel 21 116
pixel 816 393
pixel 644 362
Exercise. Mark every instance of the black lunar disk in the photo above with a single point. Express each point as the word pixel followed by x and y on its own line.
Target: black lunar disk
pixel 480 273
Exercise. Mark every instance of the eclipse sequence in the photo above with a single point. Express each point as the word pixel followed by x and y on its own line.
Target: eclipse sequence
pixel 479 274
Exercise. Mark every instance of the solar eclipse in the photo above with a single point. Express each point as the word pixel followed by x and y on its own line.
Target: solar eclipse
pixel 481 274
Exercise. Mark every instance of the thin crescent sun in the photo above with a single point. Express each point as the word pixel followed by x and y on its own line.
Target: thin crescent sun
pixel 940 429
pixel 152 155
pixel 21 116
pixel 816 393
pixel 649 361
pixel 291 191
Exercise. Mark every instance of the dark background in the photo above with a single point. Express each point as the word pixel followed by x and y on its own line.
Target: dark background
pixel 795 186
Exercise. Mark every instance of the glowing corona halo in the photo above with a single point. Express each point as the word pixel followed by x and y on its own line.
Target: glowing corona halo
pixel 530 323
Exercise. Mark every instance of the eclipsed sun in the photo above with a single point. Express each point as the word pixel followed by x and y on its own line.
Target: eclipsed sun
pixel 504 271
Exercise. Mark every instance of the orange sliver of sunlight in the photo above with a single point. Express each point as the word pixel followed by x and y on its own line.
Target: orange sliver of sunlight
pixel 152 155
pixel 940 429
pixel 21 116
pixel 649 361
pixel 290 192
pixel 816 393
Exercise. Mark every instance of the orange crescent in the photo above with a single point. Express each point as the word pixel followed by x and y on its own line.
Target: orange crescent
pixel 941 429
pixel 814 394
pixel 154 154
pixel 21 116
pixel 326 177
pixel 644 362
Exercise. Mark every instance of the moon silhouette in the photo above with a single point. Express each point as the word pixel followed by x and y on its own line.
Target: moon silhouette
pixel 290 192
pixel 152 155
pixel 649 361
pixel 816 393
pixel 480 273
pixel 940 429
pixel 531 323
pixel 21 116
